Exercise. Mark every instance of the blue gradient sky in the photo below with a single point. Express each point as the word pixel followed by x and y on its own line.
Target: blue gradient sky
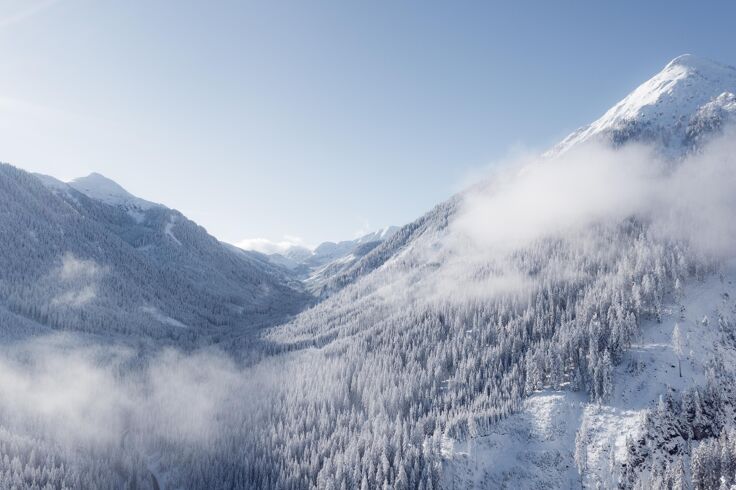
pixel 319 119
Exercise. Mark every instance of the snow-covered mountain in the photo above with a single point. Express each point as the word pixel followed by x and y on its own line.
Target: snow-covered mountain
pixel 318 266
pixel 90 256
pixel 330 251
pixel 688 100
pixel 679 109
pixel 536 359
pixel 100 188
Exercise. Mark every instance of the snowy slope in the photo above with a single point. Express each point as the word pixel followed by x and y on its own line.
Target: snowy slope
pixel 535 448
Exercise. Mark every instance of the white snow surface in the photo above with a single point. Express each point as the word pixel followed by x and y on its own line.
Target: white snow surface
pixel 168 229
pixel 535 447
pixel 167 320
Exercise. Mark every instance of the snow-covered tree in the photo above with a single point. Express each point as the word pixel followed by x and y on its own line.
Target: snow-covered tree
pixel 678 346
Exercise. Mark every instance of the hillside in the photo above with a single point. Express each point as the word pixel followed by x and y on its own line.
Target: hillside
pixel 90 257
pixel 537 447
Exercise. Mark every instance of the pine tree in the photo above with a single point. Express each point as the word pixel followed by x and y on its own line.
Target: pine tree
pixel 581 451
pixel 679 481
pixel 677 346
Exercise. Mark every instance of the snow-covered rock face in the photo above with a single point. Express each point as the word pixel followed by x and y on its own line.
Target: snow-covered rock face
pixel 710 118
pixel 675 109
pixel 379 235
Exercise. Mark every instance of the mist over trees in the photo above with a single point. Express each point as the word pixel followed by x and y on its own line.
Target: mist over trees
pixel 435 335
pixel 373 404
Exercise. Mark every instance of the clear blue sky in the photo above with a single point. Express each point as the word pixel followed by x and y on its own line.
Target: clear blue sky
pixel 317 119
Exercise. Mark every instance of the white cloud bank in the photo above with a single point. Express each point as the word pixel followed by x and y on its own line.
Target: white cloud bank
pixel 694 199
pixel 69 390
pixel 266 246
pixel 575 199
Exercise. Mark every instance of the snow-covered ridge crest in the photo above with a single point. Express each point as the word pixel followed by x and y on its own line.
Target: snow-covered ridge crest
pixel 99 187
pixel 664 109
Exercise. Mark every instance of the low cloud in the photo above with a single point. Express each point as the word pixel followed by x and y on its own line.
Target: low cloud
pixel 73 268
pixel 70 391
pixel 55 386
pixel 529 208
pixel 266 246
pixel 697 202
pixel 75 281
pixel 693 199
pixel 528 201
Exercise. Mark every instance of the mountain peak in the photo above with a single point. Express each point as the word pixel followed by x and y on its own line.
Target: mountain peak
pixel 97 182
pixel 692 62
pixel 683 59
pixel 101 188
pixel 663 109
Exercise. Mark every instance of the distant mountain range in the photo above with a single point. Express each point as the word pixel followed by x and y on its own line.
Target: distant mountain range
pixel 316 267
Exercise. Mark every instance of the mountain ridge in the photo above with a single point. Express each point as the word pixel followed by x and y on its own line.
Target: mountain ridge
pixel 136 267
